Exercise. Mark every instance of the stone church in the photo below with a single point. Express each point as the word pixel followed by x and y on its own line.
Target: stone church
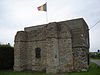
pixel 57 47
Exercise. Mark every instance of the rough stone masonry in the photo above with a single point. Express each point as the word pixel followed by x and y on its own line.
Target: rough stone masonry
pixel 56 47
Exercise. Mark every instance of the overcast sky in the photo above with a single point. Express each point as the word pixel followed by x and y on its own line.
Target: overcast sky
pixel 17 14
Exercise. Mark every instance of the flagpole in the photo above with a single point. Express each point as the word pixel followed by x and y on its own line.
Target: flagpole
pixel 46 17
pixel 44 8
pixel 46 14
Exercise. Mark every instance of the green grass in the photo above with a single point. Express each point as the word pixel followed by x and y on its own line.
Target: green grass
pixel 93 70
pixel 16 73
pixel 95 59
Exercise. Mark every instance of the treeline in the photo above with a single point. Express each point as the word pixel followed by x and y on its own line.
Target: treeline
pixel 6 57
pixel 95 55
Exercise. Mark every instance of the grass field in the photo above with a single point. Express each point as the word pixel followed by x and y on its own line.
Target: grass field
pixel 95 59
pixel 93 70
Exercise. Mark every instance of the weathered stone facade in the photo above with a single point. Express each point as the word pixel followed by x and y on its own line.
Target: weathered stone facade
pixel 56 47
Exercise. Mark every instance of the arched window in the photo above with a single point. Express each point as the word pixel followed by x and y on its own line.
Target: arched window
pixel 37 52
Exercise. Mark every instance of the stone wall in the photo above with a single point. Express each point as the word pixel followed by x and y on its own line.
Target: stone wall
pixel 20 51
pixel 36 39
pixel 64 47
pixel 80 44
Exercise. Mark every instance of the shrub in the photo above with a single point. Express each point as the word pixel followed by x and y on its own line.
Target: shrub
pixel 6 57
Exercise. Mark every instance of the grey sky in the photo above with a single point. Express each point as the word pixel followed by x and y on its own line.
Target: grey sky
pixel 17 14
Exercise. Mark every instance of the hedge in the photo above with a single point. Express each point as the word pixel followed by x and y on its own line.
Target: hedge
pixel 6 57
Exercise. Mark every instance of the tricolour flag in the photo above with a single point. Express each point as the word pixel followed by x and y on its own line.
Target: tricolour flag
pixel 42 7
